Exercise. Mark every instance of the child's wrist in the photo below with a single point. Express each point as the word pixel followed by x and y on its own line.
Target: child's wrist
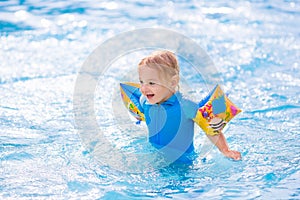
pixel 225 150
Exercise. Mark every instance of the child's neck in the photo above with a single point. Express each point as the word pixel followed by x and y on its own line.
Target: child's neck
pixel 166 98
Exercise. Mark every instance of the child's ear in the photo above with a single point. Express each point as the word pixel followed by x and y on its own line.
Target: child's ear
pixel 175 81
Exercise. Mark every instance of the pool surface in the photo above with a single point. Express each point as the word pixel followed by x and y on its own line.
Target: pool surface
pixel 255 46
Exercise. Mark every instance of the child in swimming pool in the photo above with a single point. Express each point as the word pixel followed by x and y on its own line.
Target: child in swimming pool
pixel 168 115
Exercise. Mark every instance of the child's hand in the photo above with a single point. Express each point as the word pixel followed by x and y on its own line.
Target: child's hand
pixel 220 141
pixel 233 154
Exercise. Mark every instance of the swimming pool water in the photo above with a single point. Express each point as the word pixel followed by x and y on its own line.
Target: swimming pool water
pixel 254 45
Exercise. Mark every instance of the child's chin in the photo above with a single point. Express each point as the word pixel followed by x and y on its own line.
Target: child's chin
pixel 151 101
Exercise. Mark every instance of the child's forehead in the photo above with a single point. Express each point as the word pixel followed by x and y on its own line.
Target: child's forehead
pixel 151 74
pixel 148 70
pixel 145 70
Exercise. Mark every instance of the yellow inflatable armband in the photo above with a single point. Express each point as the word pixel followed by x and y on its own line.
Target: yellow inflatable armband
pixel 131 94
pixel 213 115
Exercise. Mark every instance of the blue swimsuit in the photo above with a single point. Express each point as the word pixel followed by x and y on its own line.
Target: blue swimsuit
pixel 170 125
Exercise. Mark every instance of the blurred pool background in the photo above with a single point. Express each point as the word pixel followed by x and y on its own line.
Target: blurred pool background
pixel 254 44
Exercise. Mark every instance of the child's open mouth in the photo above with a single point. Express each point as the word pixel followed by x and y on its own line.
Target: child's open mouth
pixel 149 96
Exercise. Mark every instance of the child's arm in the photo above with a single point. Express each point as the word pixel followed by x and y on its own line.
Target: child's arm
pixel 220 141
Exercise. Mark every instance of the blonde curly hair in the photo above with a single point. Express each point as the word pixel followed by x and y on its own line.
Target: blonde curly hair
pixel 165 61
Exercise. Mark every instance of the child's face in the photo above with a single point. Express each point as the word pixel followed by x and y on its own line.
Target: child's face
pixel 153 87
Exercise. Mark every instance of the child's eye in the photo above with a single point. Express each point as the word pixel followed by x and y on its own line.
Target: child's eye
pixel 141 82
pixel 151 83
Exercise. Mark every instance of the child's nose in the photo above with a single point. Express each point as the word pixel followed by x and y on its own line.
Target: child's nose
pixel 144 88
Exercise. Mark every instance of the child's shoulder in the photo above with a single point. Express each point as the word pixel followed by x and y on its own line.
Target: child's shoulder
pixel 185 100
pixel 189 107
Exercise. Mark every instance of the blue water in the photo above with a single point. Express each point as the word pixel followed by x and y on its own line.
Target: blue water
pixel 255 45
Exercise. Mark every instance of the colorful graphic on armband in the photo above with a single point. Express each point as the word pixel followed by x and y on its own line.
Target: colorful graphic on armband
pixel 213 116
